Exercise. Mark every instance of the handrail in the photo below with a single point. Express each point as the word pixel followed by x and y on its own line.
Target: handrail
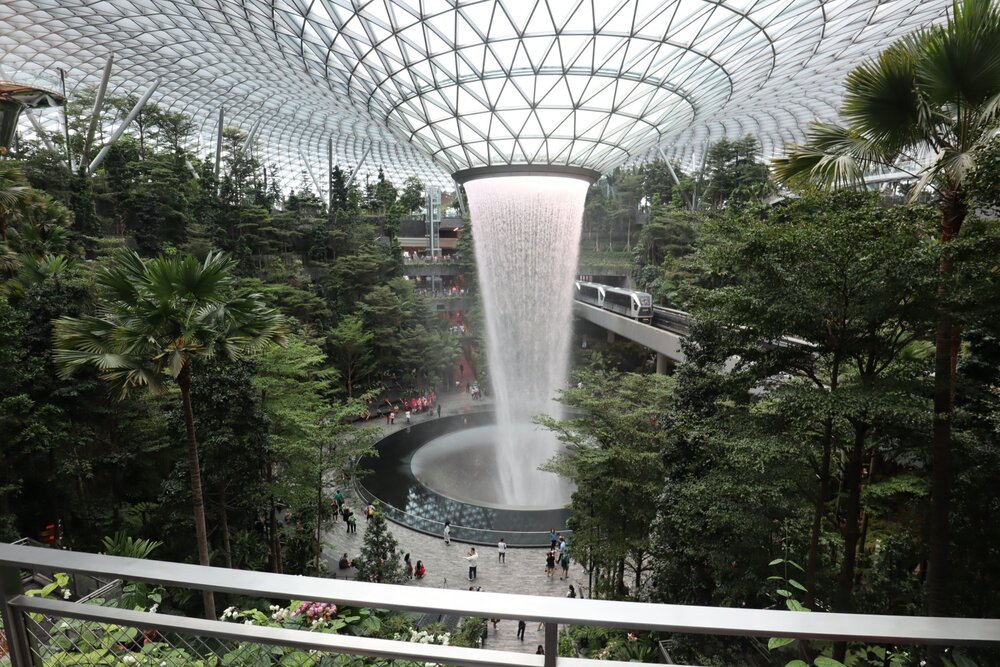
pixel 551 610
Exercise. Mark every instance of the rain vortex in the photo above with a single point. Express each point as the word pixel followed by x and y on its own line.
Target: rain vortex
pixel 527 235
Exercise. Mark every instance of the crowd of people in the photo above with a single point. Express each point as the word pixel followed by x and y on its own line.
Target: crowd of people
pixel 341 512
pixel 424 402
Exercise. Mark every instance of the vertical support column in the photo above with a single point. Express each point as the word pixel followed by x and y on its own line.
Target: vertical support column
pixel 95 115
pixel 218 142
pixel 611 336
pixel 136 110
pixel 551 644
pixel 329 180
pixel 661 363
pixel 13 619
pixel 65 127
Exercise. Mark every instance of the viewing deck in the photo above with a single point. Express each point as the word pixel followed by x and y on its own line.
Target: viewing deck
pixel 38 630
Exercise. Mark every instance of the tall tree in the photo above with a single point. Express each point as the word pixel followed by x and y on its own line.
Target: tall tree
pixel 614 458
pixel 154 318
pixel 937 93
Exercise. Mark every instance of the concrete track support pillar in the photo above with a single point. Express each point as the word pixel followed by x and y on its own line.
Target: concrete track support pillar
pixel 661 363
pixel 611 336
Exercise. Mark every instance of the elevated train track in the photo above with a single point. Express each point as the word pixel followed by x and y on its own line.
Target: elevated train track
pixel 662 331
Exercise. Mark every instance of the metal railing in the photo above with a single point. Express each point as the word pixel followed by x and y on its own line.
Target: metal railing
pixel 38 628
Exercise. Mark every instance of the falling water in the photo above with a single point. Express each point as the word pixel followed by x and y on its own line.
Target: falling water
pixel 527 234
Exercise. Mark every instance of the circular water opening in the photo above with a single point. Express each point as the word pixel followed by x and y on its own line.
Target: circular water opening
pixel 464 466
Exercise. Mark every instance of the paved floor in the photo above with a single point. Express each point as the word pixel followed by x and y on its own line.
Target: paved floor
pixel 523 572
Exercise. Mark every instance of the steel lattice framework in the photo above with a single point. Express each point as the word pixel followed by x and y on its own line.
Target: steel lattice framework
pixel 430 87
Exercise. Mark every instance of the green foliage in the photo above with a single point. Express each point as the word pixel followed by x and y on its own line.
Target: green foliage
pixel 121 544
pixel 380 559
pixel 470 632
pixel 614 459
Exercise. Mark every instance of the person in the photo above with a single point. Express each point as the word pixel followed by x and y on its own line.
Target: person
pixel 473 559
pixel 447 533
pixel 407 416
pixel 352 523
pixel 550 563
pixel 572 592
pixel 520 630
pixel 553 537
pixel 439 410
pixel 501 551
pixel 338 498
pixel 540 650
pixel 345 562
pixel 564 562
pixel 409 566
pixel 369 512
pixel 345 511
pixel 494 621
pixel 419 571
pixel 562 545
pixel 392 417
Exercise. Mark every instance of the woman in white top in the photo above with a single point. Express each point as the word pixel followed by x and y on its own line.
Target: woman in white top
pixel 501 551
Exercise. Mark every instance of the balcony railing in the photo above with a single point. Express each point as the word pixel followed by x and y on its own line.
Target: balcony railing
pixel 43 631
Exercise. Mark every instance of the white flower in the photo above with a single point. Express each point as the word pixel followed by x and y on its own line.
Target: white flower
pixel 154 608
pixel 129 660
pixel 66 593
pixel 248 622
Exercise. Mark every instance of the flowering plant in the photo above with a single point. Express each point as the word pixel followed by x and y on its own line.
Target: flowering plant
pixel 424 637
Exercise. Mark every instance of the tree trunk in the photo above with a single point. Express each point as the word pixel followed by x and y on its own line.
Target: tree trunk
pixel 274 541
pixel 319 512
pixel 197 495
pixel 812 564
pixel 946 344
pixel 851 530
pixel 227 549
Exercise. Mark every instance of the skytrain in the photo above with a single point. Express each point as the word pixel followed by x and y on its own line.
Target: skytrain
pixel 627 302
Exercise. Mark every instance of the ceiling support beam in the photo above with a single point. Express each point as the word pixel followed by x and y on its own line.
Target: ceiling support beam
pixel 364 156
pixel 251 135
pixel 95 115
pixel 218 142
pixel 673 175
pixel 39 130
pixel 329 178
pixel 312 176
pixel 69 153
pixel 121 128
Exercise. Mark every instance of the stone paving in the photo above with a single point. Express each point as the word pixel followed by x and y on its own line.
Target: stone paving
pixel 523 572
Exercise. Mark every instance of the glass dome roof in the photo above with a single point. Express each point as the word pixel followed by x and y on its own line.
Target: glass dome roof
pixel 431 87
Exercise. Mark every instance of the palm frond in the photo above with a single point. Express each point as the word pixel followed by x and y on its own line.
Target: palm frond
pixel 832 157
pixel 881 102
pixel 124 276
pixel 959 63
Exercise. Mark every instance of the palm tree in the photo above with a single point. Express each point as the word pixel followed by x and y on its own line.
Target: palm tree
pixel 155 317
pixel 13 188
pixel 937 93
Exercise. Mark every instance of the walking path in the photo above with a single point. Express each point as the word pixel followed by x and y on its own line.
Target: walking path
pixel 523 572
